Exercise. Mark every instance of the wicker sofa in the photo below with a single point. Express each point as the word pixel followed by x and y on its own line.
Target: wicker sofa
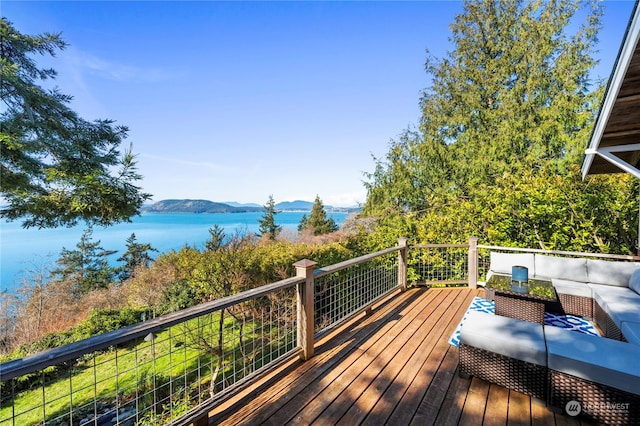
pixel 607 291
pixel 506 351
pixel 601 374
pixel 554 365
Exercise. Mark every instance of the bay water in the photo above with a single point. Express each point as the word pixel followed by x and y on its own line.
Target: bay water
pixel 23 251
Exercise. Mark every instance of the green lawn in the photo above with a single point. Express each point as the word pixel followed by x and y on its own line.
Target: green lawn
pixel 182 365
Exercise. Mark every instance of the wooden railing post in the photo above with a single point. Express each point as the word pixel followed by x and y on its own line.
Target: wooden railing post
pixel 402 263
pixel 473 262
pixel 306 321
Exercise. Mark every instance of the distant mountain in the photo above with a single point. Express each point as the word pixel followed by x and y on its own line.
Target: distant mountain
pixel 236 204
pixel 198 206
pixel 206 206
pixel 306 206
pixel 294 205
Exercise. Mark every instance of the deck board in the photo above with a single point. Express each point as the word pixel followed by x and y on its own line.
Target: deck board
pixel 497 406
pixel 441 369
pixel 400 369
pixel 361 368
pixel 451 408
pixel 392 365
pixel 519 409
pixel 474 405
pixel 349 377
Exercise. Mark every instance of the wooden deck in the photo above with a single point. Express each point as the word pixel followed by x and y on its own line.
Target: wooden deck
pixel 391 366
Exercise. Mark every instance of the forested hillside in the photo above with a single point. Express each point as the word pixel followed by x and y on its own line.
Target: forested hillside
pixel 198 206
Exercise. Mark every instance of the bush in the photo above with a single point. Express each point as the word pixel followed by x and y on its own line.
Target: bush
pixel 177 297
pixel 105 320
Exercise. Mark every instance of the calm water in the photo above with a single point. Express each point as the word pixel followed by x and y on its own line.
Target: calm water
pixel 22 250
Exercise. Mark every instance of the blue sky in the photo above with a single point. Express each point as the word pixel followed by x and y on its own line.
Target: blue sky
pixel 235 101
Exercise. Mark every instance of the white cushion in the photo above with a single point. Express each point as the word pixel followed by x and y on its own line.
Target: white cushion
pixel 610 272
pixel 503 262
pixel 573 288
pixel 604 293
pixel 510 337
pixel 606 361
pixel 634 281
pixel 620 312
pixel 561 267
pixel 631 331
pixel 621 303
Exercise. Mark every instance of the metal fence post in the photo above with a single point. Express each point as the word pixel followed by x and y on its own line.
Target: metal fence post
pixel 473 262
pixel 306 320
pixel 402 263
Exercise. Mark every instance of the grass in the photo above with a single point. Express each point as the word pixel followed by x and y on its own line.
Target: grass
pixel 177 361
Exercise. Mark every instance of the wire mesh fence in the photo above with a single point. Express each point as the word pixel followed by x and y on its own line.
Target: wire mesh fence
pixel 171 369
pixel 439 265
pixel 349 289
pixel 157 377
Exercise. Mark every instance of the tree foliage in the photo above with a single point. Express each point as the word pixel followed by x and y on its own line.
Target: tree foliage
pixel 57 168
pixel 504 123
pixel 87 266
pixel 217 238
pixel 136 255
pixel 317 222
pixel 268 226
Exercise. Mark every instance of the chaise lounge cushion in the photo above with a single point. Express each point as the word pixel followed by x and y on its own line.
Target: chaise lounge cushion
pixel 621 304
pixel 619 313
pixel 610 273
pixel 510 337
pixel 561 268
pixel 631 332
pixel 574 288
pixel 606 361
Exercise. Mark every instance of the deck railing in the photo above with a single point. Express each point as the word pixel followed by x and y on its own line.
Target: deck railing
pixel 154 372
pixel 483 256
pixel 441 265
pixel 172 369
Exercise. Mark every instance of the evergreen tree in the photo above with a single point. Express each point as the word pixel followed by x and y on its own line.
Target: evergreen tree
pixel 57 168
pixel 268 226
pixel 318 221
pixel 87 267
pixel 217 239
pixel 304 221
pixel 512 95
pixel 501 138
pixel 136 255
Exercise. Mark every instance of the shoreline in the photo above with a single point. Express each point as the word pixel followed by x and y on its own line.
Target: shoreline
pixel 23 249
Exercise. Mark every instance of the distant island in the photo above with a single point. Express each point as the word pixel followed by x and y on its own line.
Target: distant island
pixel 198 206
pixel 206 206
